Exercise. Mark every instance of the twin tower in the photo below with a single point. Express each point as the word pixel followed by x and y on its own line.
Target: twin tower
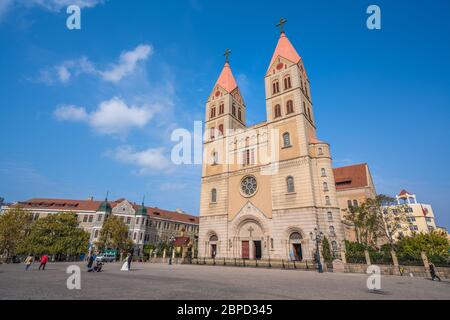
pixel 266 187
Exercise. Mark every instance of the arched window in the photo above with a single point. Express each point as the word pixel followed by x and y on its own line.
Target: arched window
pixel 304 108
pixel 325 186
pixel 320 151
pixel 324 173
pixel 287 83
pixel 277 111
pixel 309 114
pixel 213 112
pixel 332 232
pixel 211 132
pixel 290 184
pixel 221 108
pixel 330 215
pixel 233 109
pixel 334 246
pixel 275 87
pixel 286 140
pixel 214 195
pixel 221 129
pixel 213 238
pixel 215 158
pixel 240 114
pixel 289 107
pixel 327 200
pixel 295 236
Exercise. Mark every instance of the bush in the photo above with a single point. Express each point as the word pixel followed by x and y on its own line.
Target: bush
pixel 410 260
pixel 356 259
pixel 440 261
pixel 326 252
pixel 380 257
pixel 354 252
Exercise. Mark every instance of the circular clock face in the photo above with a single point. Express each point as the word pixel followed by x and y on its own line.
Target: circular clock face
pixel 249 186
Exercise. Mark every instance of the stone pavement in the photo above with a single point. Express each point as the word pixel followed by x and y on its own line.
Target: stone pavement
pixel 161 281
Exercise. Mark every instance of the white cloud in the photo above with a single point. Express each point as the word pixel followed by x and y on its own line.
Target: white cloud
pixel 63 74
pixel 70 113
pixel 49 5
pixel 127 63
pixel 148 161
pixel 113 117
pixel 5 6
pixel 57 5
pixel 172 186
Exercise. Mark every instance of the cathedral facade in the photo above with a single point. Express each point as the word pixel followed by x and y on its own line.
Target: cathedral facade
pixel 267 187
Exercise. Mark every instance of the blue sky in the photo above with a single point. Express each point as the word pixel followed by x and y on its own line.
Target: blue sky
pixel 380 97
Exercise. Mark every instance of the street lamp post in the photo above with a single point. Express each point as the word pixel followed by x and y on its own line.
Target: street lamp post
pixel 317 237
pixel 171 241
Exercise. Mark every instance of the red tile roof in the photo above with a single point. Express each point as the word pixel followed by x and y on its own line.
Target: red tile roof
pixel 286 50
pixel 404 193
pixel 170 215
pixel 181 241
pixel 62 204
pixel 226 79
pixel 314 140
pixel 354 176
pixel 92 205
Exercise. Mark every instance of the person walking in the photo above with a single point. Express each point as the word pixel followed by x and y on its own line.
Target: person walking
pixel 44 260
pixel 129 259
pixel 433 272
pixel 28 262
pixel 90 262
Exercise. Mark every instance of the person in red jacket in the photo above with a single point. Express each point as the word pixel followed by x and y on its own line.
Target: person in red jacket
pixel 44 260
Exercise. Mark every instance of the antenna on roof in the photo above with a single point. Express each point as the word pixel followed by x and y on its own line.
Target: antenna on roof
pixel 143 200
pixel 107 194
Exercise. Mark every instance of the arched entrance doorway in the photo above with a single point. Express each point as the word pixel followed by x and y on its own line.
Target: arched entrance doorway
pixel 251 238
pixel 295 244
pixel 213 239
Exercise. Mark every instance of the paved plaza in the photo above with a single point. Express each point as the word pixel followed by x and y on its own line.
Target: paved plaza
pixel 161 281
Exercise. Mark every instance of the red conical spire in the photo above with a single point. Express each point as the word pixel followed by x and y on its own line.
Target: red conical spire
pixel 226 79
pixel 286 50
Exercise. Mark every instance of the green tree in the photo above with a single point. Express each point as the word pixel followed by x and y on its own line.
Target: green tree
pixel 354 252
pixel 377 218
pixel 363 220
pixel 433 244
pixel 389 218
pixel 114 235
pixel 160 247
pixel 326 251
pixel 56 234
pixel 149 249
pixel 15 224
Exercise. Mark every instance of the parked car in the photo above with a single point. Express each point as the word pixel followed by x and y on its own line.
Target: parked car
pixel 106 257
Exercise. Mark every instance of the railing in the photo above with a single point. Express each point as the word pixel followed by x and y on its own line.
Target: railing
pixel 269 263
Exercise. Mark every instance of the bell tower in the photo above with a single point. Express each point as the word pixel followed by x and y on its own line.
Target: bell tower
pixel 225 108
pixel 287 86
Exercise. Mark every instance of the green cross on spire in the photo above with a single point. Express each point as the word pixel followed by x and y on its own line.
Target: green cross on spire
pixel 281 24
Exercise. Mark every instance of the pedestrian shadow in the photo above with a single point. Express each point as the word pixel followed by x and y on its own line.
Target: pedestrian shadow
pixel 447 281
pixel 379 292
